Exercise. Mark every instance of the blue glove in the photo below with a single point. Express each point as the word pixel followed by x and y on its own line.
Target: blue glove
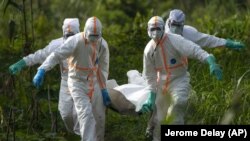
pixel 105 97
pixel 149 104
pixel 18 66
pixel 38 78
pixel 214 68
pixel 234 45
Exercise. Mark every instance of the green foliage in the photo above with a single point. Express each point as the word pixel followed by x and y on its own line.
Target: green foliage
pixel 35 116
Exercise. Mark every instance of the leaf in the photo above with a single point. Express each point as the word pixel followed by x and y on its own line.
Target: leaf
pixel 239 80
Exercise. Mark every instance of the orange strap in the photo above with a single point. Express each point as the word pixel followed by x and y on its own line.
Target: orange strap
pixel 101 83
pixel 82 68
pixel 91 86
pixel 167 67
pixel 164 56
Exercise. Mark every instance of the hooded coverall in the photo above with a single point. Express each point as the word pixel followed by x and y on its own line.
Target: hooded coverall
pixel 65 105
pixel 202 39
pixel 165 70
pixel 88 72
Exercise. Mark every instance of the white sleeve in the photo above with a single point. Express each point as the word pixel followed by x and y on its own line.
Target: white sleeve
pixel 103 64
pixel 202 39
pixel 149 71
pixel 187 48
pixel 61 53
pixel 39 56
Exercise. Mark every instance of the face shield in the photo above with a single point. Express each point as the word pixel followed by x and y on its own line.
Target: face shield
pixel 93 29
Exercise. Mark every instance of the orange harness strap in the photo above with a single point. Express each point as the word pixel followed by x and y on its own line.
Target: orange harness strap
pixel 167 67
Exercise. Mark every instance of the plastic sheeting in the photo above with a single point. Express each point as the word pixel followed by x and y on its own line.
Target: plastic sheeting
pixel 134 77
pixel 136 94
pixel 128 98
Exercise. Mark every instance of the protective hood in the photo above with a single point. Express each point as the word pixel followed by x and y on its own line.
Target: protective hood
pixel 155 27
pixel 177 15
pixel 70 26
pixel 93 29
pixel 175 22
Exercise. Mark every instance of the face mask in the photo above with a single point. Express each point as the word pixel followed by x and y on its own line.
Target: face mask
pixel 176 29
pixel 156 34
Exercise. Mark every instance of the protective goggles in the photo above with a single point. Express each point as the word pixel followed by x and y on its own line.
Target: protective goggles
pixel 93 37
pixel 68 35
pixel 176 24
pixel 155 28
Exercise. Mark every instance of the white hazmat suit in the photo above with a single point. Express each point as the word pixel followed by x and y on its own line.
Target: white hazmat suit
pixel 202 39
pixel 177 17
pixel 66 106
pixel 191 33
pixel 88 59
pixel 165 70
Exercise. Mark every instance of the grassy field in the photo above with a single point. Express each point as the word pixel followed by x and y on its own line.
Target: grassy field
pixel 30 114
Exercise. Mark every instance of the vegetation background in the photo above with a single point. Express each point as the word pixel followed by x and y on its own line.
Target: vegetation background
pixel 28 114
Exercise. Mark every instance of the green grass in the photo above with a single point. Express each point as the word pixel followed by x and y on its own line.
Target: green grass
pixel 210 102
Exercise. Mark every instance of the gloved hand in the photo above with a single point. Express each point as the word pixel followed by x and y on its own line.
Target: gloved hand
pixel 18 66
pixel 38 78
pixel 149 104
pixel 214 68
pixel 233 44
pixel 105 97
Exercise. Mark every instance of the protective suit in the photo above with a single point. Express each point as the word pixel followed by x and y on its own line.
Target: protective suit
pixel 175 24
pixel 165 70
pixel 88 59
pixel 65 105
